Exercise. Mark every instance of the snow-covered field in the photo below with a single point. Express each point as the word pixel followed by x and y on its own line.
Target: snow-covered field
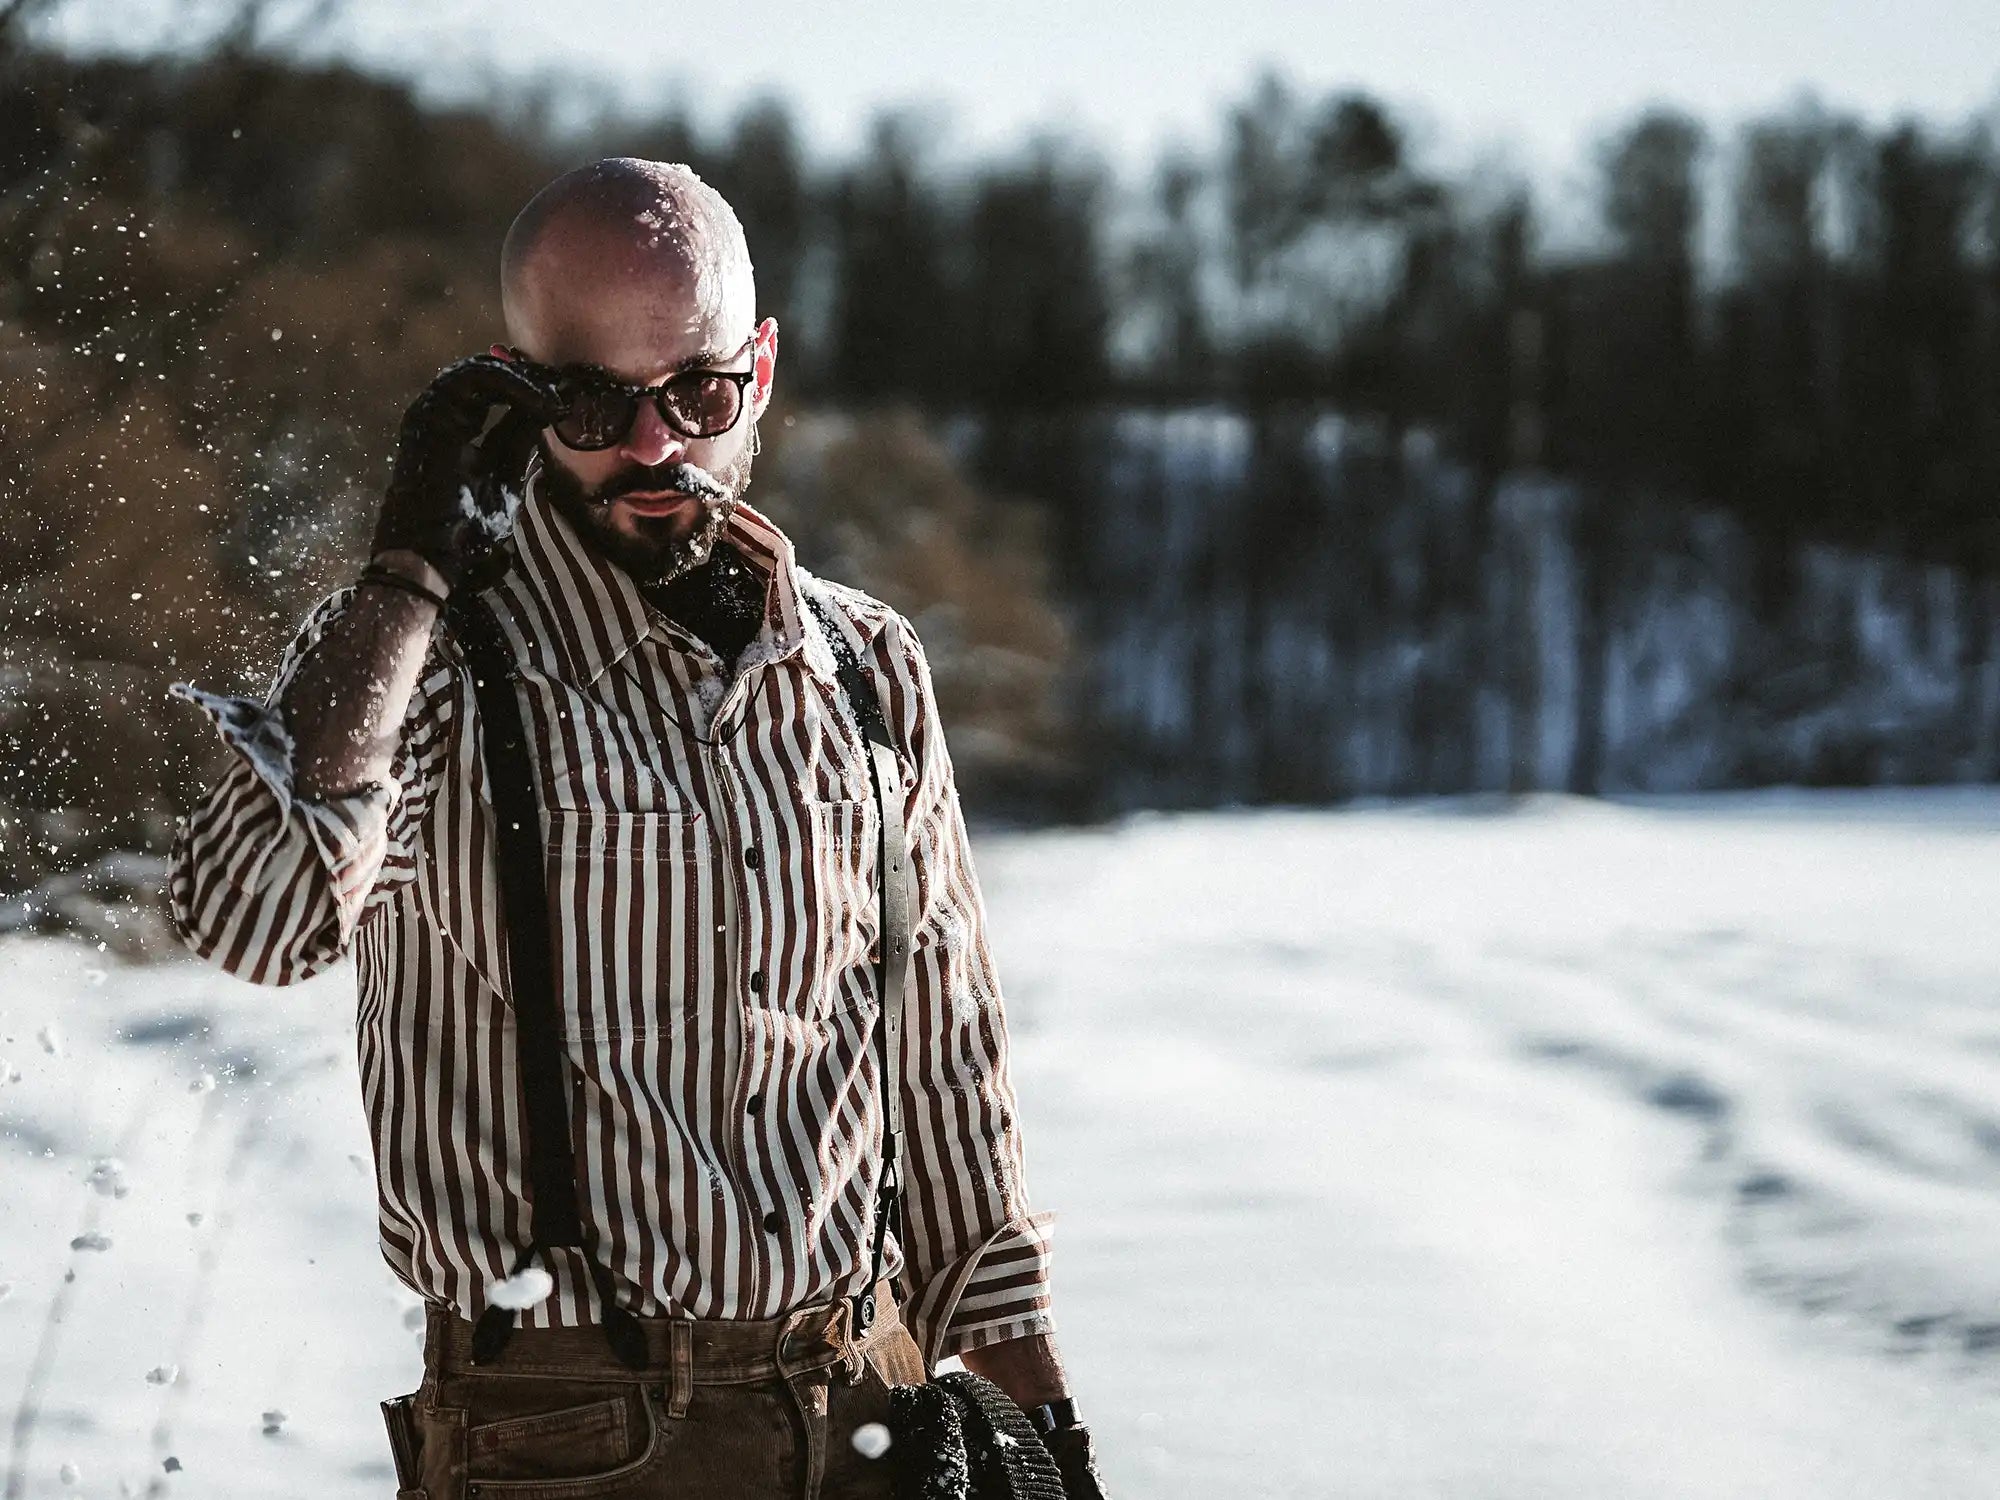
pixel 1564 1151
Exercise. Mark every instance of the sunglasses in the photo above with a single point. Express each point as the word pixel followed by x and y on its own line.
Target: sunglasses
pixel 697 403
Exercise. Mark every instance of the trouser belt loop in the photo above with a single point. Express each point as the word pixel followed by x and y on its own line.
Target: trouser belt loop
pixel 853 1359
pixel 680 1336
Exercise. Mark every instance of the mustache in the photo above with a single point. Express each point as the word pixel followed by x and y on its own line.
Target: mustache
pixel 686 478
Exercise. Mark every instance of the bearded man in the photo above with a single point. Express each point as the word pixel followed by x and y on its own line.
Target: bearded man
pixel 660 1252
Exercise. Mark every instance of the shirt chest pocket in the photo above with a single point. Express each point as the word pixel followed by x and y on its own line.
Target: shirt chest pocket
pixel 842 908
pixel 623 888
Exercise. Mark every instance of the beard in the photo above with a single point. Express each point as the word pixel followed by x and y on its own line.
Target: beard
pixel 648 561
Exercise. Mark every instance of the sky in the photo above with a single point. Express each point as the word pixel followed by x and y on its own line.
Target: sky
pixel 1537 80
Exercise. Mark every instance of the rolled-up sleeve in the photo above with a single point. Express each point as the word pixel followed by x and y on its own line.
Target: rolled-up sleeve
pixel 269 885
pixel 976 1258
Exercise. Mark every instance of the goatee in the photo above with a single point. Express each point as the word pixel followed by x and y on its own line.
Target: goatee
pixel 650 563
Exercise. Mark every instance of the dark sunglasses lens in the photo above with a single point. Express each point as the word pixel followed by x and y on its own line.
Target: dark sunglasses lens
pixel 596 419
pixel 703 405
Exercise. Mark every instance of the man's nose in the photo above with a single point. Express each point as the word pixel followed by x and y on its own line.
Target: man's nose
pixel 651 442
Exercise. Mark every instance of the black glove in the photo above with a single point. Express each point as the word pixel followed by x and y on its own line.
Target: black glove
pixel 1077 1461
pixel 452 495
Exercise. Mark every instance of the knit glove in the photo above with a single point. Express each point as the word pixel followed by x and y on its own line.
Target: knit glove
pixel 452 493
pixel 1076 1460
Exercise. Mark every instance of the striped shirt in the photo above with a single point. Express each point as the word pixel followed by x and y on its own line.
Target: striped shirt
pixel 711 862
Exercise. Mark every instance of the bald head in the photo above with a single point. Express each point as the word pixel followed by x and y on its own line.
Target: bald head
pixel 631 264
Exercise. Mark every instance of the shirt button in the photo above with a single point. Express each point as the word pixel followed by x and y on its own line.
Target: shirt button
pixel 755 1104
pixel 754 857
pixel 773 1221
pixel 757 982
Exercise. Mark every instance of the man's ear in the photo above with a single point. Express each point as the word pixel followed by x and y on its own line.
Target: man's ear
pixel 764 360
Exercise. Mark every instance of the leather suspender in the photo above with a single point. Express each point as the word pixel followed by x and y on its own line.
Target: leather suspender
pixel 552 1202
pixel 554 1217
pixel 892 864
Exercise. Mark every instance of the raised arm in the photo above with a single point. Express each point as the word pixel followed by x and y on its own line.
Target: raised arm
pixel 273 869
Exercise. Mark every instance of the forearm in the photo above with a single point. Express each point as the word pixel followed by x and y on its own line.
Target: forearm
pixel 345 708
pixel 1028 1369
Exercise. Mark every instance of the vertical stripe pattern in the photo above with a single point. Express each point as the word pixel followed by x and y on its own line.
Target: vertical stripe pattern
pixel 711 865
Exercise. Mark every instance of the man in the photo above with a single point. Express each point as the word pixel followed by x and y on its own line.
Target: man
pixel 709 828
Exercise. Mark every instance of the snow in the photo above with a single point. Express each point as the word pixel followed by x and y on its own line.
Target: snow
pixel 1455 1149
pixel 525 1289
pixel 871 1440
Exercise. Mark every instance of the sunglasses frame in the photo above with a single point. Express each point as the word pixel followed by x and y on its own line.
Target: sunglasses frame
pixel 573 380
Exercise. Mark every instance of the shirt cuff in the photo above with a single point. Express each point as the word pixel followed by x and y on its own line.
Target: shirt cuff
pixel 346 832
pixel 999 1290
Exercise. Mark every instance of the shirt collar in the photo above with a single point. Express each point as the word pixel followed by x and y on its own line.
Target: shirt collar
pixel 586 613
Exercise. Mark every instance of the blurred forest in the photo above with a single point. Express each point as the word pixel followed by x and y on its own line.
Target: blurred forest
pixel 1298 470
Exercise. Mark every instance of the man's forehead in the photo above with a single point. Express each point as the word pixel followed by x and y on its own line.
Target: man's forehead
pixel 640 315
pixel 638 348
pixel 643 367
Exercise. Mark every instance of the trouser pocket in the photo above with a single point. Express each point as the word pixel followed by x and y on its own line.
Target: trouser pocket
pixel 586 1439
pixel 399 1415
pixel 512 1437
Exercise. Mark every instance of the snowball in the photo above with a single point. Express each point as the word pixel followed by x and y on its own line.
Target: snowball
pixel 69 1473
pixel 529 1289
pixel 871 1440
pixel 163 1374
pixel 273 1420
pixel 51 1040
pixel 195 1219
pixel 172 1465
pixel 94 1240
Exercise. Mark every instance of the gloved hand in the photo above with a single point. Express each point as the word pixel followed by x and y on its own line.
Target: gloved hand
pixel 452 502
pixel 1076 1459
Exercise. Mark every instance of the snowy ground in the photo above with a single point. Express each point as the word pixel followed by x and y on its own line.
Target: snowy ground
pixel 1573 1151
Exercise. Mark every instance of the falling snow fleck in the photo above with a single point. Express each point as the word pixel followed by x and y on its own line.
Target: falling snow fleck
pixel 871 1440
pixel 107 1175
pixel 527 1289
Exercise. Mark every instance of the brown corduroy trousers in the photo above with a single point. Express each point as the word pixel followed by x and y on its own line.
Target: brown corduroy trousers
pixel 723 1410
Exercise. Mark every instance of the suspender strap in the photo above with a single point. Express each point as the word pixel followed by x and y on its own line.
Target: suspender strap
pixel 892 863
pixel 552 1199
